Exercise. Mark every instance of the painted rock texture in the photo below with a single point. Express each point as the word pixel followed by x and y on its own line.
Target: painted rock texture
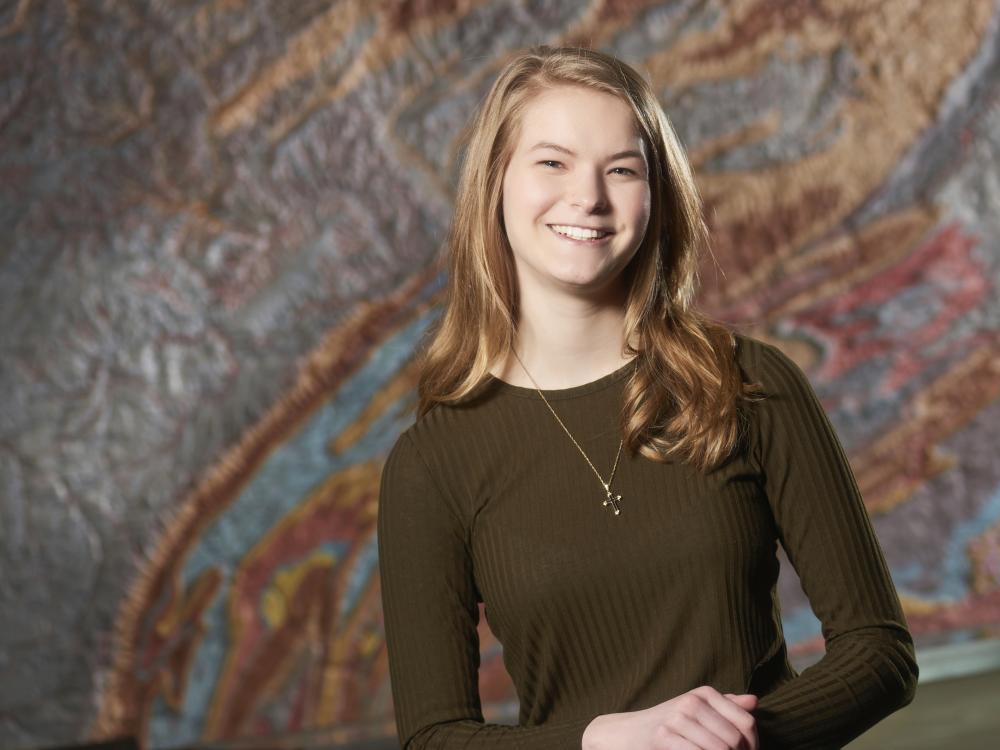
pixel 220 226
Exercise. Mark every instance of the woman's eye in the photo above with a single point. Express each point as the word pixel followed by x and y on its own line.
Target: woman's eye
pixel 555 163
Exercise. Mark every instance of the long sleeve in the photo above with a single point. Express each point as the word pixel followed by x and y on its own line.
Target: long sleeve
pixel 430 609
pixel 869 669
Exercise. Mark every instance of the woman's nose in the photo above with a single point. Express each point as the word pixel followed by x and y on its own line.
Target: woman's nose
pixel 588 192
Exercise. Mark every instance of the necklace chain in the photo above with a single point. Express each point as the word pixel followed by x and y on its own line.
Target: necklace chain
pixel 611 499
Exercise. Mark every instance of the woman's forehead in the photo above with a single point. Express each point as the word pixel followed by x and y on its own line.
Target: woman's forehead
pixel 571 118
pixel 573 132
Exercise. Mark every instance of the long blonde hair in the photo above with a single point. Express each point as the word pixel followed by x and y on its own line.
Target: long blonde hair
pixel 685 400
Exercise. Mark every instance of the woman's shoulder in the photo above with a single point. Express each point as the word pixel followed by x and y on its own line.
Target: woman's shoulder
pixel 749 354
pixel 418 447
pixel 762 360
pixel 439 429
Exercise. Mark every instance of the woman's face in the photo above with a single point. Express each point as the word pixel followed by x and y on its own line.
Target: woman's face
pixel 570 169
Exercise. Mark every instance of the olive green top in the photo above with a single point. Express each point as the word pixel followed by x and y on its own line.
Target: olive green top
pixel 490 501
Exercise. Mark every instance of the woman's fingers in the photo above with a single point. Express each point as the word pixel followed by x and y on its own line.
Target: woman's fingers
pixel 747 701
pixel 724 729
pixel 728 720
pixel 670 738
pixel 707 719
pixel 697 733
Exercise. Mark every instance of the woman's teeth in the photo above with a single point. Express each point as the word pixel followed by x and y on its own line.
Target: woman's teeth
pixel 578 234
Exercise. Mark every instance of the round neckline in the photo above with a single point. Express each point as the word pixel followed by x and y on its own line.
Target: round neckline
pixel 557 394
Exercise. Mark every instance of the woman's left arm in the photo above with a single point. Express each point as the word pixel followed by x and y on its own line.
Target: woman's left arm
pixel 869 669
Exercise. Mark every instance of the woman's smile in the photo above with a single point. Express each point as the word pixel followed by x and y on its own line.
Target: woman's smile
pixel 579 240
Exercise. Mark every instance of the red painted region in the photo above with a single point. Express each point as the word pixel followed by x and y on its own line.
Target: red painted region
pixel 956 281
pixel 789 18
pixel 976 610
pixel 297 718
pixel 289 543
pixel 400 17
pixel 981 610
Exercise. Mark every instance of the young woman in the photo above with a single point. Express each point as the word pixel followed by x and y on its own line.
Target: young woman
pixel 609 471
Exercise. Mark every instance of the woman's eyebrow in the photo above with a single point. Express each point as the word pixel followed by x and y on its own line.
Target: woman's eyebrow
pixel 557 147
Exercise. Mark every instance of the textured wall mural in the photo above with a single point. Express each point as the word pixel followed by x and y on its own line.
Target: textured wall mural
pixel 221 220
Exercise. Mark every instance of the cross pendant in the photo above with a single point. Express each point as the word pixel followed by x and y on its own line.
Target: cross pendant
pixel 613 499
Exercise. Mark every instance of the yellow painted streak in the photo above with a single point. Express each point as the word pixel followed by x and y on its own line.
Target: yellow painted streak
pixel 304 57
pixel 907 55
pixel 906 228
pixel 401 387
pixel 916 607
pixel 344 489
pixel 202 21
pixel 307 51
pixel 765 126
pixel 888 463
pixel 351 632
pixel 982 548
pixel 274 604
pixel 20 16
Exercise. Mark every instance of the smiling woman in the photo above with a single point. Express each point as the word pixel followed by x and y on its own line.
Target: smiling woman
pixel 554 209
pixel 608 470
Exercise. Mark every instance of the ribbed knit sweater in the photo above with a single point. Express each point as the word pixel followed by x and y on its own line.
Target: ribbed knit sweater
pixel 489 501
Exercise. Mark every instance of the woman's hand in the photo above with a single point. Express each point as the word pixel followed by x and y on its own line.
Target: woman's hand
pixel 700 719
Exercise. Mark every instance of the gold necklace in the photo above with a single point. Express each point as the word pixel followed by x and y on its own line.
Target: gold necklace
pixel 612 499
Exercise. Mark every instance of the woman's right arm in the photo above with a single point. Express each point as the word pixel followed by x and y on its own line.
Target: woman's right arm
pixel 431 613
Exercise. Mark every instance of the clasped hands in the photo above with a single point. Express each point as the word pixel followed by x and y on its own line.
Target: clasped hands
pixel 700 719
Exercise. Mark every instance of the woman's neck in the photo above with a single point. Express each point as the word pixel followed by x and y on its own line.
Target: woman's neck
pixel 563 351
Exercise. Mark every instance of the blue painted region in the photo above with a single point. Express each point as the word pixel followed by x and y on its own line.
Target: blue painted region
pixel 906 574
pixel 955 574
pixel 956 569
pixel 288 475
pixel 800 624
pixel 169 738
pixel 358 576
pixel 965 635
pixel 167 729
